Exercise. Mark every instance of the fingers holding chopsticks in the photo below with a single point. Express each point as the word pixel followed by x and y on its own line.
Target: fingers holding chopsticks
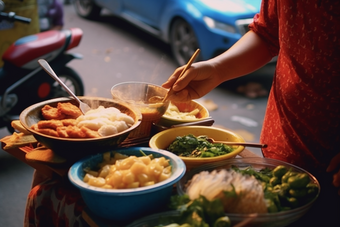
pixel 196 82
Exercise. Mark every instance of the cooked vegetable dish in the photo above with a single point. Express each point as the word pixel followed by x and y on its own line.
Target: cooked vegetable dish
pixel 199 147
pixel 210 195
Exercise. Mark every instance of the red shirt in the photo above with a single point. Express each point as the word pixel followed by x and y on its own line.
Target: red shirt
pixel 302 121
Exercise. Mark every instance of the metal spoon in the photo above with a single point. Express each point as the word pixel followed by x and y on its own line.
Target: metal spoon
pixel 44 64
pixel 211 140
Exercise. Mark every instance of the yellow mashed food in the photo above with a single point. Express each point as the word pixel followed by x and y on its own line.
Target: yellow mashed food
pixel 123 172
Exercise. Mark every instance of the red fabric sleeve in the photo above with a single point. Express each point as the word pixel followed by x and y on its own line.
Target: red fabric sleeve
pixel 265 24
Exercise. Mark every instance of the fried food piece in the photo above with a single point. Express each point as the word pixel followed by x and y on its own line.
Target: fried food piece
pixel 52 124
pixel 67 122
pixel 48 131
pixel 90 133
pixel 50 112
pixel 75 132
pixel 62 132
pixel 69 109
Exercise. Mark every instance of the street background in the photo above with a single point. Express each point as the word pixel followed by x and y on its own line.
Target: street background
pixel 115 51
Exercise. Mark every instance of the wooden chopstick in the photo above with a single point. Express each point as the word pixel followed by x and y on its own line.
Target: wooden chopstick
pixel 193 57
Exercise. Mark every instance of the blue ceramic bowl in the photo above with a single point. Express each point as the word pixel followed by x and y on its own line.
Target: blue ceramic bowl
pixel 126 204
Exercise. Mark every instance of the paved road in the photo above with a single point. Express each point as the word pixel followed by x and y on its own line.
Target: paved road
pixel 114 51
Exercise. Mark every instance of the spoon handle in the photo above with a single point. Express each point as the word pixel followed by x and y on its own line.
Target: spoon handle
pixel 243 144
pixel 44 64
pixel 206 121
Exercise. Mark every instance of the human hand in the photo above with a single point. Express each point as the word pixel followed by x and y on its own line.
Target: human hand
pixel 196 82
pixel 334 166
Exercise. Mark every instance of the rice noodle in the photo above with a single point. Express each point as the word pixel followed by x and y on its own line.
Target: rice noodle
pixel 249 192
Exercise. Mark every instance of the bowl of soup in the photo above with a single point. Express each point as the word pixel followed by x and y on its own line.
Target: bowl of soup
pixel 145 98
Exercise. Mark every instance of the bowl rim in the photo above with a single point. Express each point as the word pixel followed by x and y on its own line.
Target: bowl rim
pixel 159 215
pixel 235 152
pixel 62 99
pixel 175 176
pixel 134 105
pixel 188 120
pixel 136 82
pixel 251 160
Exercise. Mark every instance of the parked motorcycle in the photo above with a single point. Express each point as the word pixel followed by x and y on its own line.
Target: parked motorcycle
pixel 22 80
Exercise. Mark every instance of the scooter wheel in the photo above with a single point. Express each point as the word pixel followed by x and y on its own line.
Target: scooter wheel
pixel 87 9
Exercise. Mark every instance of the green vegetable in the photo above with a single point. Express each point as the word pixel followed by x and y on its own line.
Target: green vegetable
pixel 272 208
pixel 285 177
pixel 192 146
pixel 223 222
pixel 199 212
pixel 275 181
pixel 300 180
pixel 284 188
pixel 264 175
pixel 312 189
pixel 293 202
pixel 279 171
pixel 298 193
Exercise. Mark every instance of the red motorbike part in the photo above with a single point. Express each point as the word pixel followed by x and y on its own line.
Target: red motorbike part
pixel 44 90
pixel 77 34
pixel 33 47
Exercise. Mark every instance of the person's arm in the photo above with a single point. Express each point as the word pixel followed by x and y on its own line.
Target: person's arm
pixel 247 55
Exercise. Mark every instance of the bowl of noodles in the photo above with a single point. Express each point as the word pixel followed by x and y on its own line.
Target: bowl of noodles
pixel 59 125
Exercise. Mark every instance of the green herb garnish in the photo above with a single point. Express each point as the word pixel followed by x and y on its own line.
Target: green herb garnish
pixel 192 146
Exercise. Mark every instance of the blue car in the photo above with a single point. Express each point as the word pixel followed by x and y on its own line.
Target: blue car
pixel 210 25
